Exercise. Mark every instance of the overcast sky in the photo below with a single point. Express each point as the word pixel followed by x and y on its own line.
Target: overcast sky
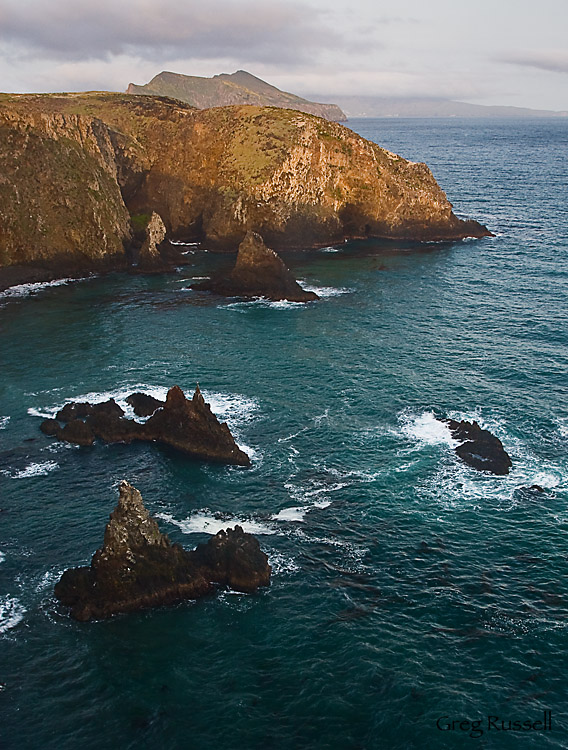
pixel 489 52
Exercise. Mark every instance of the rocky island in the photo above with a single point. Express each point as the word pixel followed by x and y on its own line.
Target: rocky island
pixel 258 272
pixel 138 567
pixel 81 173
pixel 480 449
pixel 188 426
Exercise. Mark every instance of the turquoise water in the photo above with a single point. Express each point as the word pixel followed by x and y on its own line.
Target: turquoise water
pixel 407 587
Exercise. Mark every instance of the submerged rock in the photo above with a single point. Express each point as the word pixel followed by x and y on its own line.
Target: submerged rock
pixel 480 448
pixel 138 567
pixel 258 272
pixel 188 426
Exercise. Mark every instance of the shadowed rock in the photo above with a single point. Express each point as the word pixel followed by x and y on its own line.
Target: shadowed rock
pixel 138 567
pixel 188 426
pixel 258 272
pixel 480 448
pixel 82 409
pixel 143 404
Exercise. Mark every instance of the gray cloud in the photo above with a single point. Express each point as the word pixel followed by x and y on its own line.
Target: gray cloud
pixel 77 30
pixel 555 61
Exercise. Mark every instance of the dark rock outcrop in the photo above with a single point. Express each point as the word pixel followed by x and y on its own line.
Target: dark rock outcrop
pixel 258 272
pixel 143 404
pixel 188 426
pixel 480 448
pixel 138 567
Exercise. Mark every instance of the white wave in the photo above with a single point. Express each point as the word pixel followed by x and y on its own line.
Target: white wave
pixel 262 302
pixel 426 429
pixel 33 470
pixel 326 291
pixel 26 290
pixel 184 244
pixel 11 613
pixel 4 422
pixel 204 522
pixel 299 513
pixel 2 556
pixel 227 407
pixel 281 563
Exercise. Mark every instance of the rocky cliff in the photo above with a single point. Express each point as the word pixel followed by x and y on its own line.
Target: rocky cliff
pixel 228 89
pixel 74 166
pixel 258 272
pixel 138 567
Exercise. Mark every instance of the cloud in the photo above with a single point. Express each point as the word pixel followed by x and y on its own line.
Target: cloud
pixel 72 30
pixel 552 60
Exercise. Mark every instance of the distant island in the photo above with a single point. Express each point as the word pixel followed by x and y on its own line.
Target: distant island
pixel 384 106
pixel 227 89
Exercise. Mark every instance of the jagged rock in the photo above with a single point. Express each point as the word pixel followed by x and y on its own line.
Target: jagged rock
pixel 143 404
pixel 188 426
pixel 480 448
pixel 149 256
pixel 235 559
pixel 50 427
pixel 137 567
pixel 258 272
pixel 77 432
pixel 82 409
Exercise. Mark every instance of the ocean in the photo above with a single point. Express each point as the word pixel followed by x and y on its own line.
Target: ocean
pixel 411 596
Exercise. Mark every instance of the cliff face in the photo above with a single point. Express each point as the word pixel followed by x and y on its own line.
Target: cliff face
pixel 60 202
pixel 72 168
pixel 225 90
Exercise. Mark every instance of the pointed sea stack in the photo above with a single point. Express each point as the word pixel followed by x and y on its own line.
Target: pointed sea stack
pixel 258 272
pixel 188 426
pixel 480 449
pixel 138 567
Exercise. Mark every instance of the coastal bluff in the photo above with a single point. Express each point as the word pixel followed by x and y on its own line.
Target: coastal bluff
pixel 79 171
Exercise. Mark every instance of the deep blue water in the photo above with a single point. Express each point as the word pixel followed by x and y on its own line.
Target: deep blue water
pixel 406 587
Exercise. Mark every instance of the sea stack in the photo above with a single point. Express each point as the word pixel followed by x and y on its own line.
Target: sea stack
pixel 480 449
pixel 138 567
pixel 258 272
pixel 189 426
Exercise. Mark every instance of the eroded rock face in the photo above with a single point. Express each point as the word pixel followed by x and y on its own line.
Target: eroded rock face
pixel 138 567
pixel 75 168
pixel 148 258
pixel 188 426
pixel 480 448
pixel 258 272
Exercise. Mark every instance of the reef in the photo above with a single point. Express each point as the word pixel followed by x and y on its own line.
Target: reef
pixel 138 567
pixel 258 272
pixel 479 449
pixel 189 426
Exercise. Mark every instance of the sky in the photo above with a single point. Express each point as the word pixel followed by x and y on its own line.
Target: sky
pixel 507 52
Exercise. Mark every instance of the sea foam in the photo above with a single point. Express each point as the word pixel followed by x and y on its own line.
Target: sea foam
pixel 11 613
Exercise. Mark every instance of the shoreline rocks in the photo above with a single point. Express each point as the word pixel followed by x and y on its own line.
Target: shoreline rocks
pixel 189 426
pixel 258 272
pixel 480 449
pixel 138 567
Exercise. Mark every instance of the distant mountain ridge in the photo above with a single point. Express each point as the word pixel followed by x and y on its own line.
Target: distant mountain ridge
pixel 227 89
pixel 383 106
